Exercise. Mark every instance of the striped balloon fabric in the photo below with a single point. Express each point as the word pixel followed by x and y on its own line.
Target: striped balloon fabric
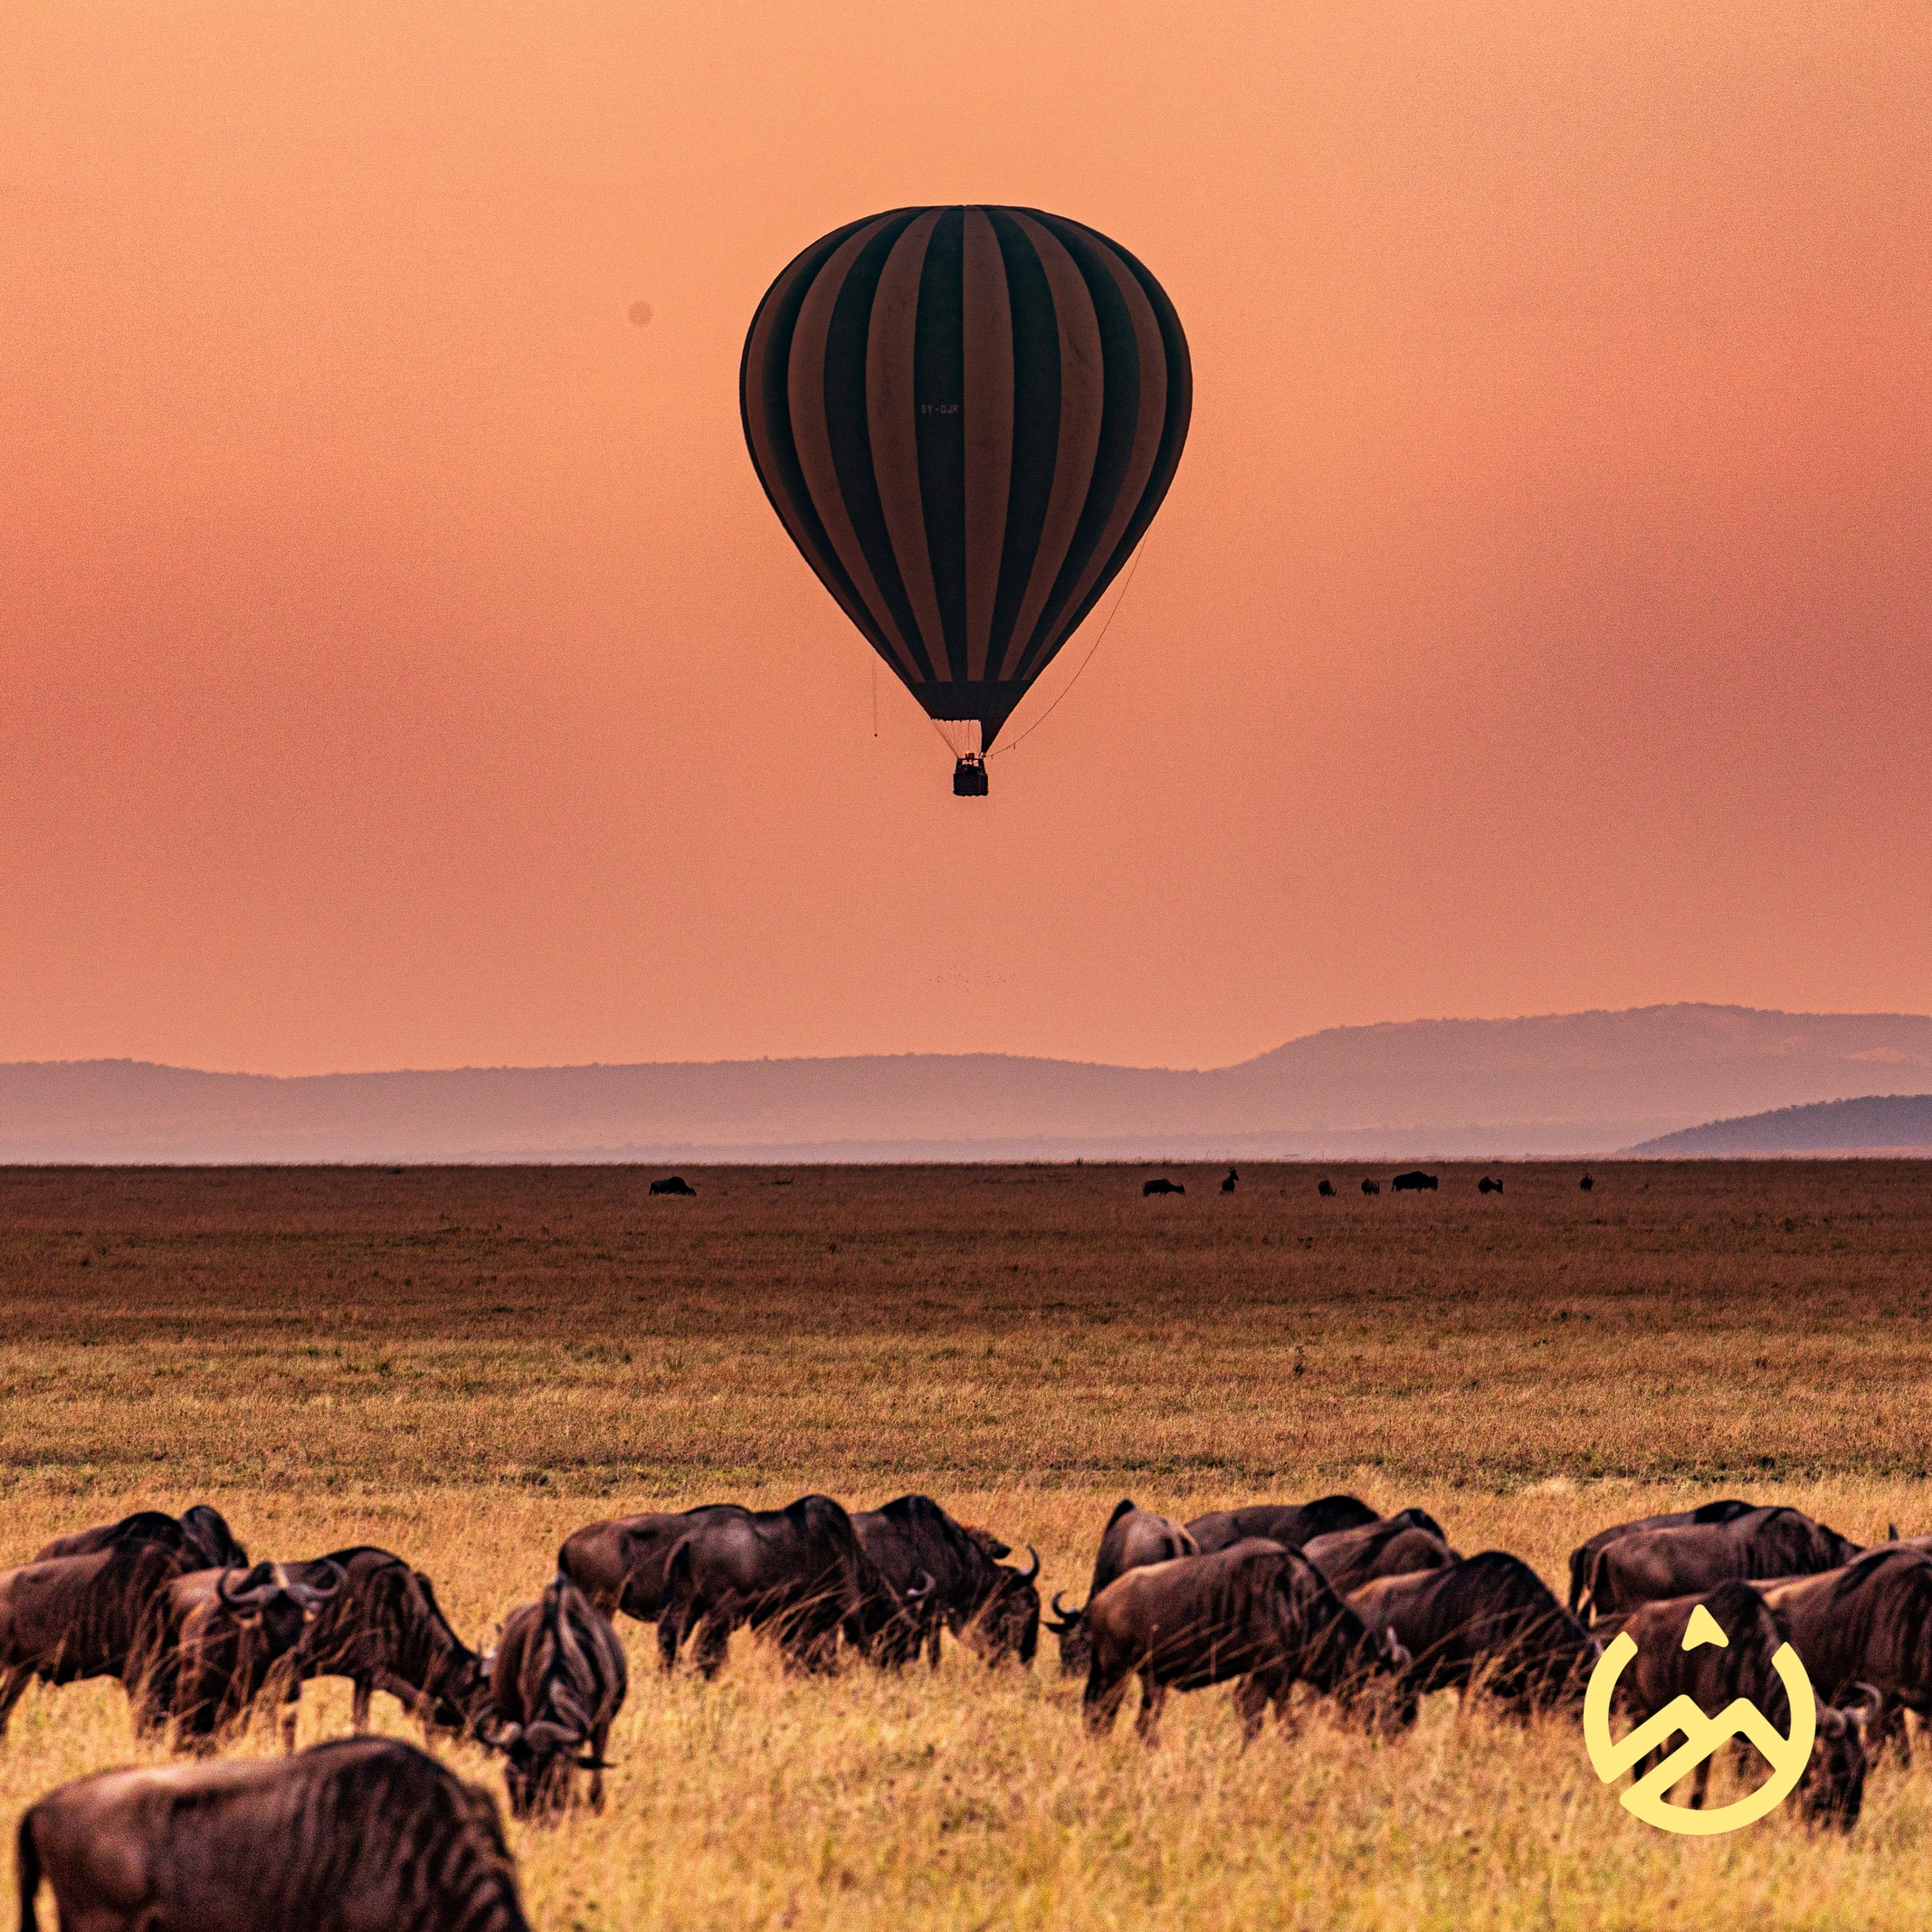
pixel 966 418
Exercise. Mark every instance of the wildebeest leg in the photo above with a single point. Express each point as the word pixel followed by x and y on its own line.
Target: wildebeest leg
pixel 291 1709
pixel 1101 1703
pixel 710 1645
pixel 1153 1697
pixel 358 1716
pixel 932 1642
pixel 1251 1700
pixel 10 1691
pixel 600 1735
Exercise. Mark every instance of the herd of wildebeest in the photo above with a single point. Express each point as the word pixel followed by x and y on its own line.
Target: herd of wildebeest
pixel 1368 1613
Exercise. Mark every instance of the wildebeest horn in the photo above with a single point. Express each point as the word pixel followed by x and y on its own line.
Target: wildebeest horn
pixel 1060 1609
pixel 260 1583
pixel 1891 1532
pixel 595 1763
pixel 308 1595
pixel 1033 1569
pixel 916 1591
pixel 1866 1704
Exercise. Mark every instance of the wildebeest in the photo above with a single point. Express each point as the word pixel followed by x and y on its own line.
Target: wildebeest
pixel 1585 1554
pixel 1587 1182
pixel 201 1529
pixel 950 1578
pixel 556 1684
pixel 1415 1182
pixel 1713 1675
pixel 1291 1525
pixel 1162 1185
pixel 1487 1186
pixel 1869 1622
pixel 1134 1536
pixel 358 1833
pixel 675 1185
pixel 1228 1185
pixel 1325 1189
pixel 211 1638
pixel 383 1631
pixel 1649 1564
pixel 1371 1187
pixel 799 1572
pixel 1252 1611
pixel 1487 1624
pixel 72 1617
pixel 619 1564
pixel 1398 1546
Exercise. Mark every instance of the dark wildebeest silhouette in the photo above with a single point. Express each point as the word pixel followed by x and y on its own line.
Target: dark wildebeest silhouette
pixel 1587 1182
pixel 1414 1182
pixel 1134 1537
pixel 1487 1186
pixel 676 1185
pixel 1583 1558
pixel 1652 1563
pixel 363 1832
pixel 1163 1185
pixel 556 1684
pixel 1325 1189
pixel 1712 1676
pixel 1227 1186
pixel 1291 1525
pixel 1254 1611
pixel 912 1542
pixel 1371 1187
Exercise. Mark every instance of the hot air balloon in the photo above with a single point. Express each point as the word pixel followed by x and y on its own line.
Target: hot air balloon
pixel 966 418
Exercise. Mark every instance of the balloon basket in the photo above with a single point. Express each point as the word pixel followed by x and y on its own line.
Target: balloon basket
pixel 969 776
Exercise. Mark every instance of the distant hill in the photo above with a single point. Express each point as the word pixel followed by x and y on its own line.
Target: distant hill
pixel 1558 1084
pixel 1889 1123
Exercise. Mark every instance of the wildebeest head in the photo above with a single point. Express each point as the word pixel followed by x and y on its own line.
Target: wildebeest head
pixel 268 1599
pixel 1008 1621
pixel 1833 1789
pixel 1076 1641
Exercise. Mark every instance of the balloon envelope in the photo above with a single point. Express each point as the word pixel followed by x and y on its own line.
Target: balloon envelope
pixel 965 417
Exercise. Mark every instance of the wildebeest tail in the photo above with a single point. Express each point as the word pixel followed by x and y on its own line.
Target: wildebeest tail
pixel 1579 1563
pixel 26 1865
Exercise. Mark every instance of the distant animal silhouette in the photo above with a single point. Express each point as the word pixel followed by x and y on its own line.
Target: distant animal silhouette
pixel 1414 1182
pixel 1227 1186
pixel 1587 1182
pixel 1371 1187
pixel 1325 1189
pixel 676 1185
pixel 1163 1186
pixel 1487 1186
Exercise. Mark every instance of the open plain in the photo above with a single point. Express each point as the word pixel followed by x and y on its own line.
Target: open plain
pixel 462 1364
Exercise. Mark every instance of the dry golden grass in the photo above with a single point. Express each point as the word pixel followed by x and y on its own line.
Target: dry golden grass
pixel 462 1364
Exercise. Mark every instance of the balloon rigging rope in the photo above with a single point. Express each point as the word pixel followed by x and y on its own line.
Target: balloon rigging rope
pixel 1105 628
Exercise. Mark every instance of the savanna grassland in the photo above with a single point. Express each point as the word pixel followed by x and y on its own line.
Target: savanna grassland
pixel 464 1364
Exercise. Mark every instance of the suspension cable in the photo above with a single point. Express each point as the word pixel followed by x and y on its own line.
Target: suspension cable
pixel 1127 583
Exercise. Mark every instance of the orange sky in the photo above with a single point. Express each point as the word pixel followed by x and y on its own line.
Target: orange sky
pixel 402 665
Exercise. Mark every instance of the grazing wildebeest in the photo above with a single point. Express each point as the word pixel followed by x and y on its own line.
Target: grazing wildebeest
pixel 1254 1611
pixel 74 1617
pixel 619 1564
pixel 1415 1182
pixel 210 1641
pixel 1162 1186
pixel 676 1185
pixel 1399 1546
pixel 202 1530
pixel 1587 1182
pixel 1585 1554
pixel 1713 1675
pixel 1371 1187
pixel 385 1630
pixel 1487 1186
pixel 1134 1536
pixel 1325 1189
pixel 949 1574
pixel 556 1684
pixel 1228 1185
pixel 1649 1564
pixel 799 1571
pixel 1869 1622
pixel 1291 1525
pixel 1487 1624
pixel 358 1833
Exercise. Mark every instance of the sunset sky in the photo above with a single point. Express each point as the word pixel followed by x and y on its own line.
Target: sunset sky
pixel 400 665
